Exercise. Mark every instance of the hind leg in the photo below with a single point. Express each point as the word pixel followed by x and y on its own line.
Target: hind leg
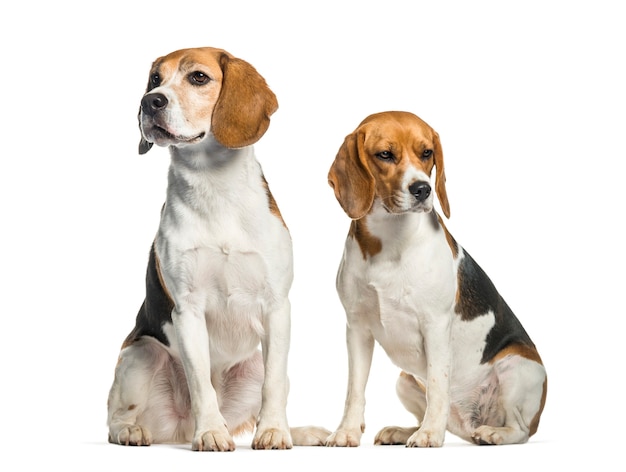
pixel 128 396
pixel 522 393
pixel 145 391
pixel 239 394
pixel 413 397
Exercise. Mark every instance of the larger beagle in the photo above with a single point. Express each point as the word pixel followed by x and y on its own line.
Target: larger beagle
pixel 219 271
pixel 467 363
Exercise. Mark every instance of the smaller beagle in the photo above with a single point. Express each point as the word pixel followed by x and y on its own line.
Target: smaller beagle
pixel 219 271
pixel 467 363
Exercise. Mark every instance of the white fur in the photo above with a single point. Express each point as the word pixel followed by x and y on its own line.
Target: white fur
pixel 229 269
pixel 225 258
pixel 404 295
pixel 404 300
pixel 399 301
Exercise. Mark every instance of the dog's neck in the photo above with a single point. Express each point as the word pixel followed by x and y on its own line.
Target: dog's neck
pixel 207 155
pixel 210 171
pixel 393 230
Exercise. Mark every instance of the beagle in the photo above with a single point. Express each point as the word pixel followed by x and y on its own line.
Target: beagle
pixel 219 271
pixel 467 363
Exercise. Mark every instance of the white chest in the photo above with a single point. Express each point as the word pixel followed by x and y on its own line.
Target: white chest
pixel 226 257
pixel 402 292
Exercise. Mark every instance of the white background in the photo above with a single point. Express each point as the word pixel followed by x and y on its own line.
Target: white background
pixel 529 100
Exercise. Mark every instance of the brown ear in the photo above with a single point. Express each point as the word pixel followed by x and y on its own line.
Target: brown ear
pixel 243 109
pixel 351 179
pixel 440 184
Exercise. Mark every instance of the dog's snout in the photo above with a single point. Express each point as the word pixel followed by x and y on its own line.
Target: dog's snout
pixel 420 190
pixel 153 102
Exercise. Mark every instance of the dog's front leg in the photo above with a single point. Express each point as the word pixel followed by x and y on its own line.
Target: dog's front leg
pixel 360 345
pixel 438 355
pixel 211 433
pixel 272 430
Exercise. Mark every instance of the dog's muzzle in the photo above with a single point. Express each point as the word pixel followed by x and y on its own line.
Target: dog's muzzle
pixel 154 122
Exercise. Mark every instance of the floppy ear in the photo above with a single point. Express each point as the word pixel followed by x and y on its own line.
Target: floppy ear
pixel 144 146
pixel 440 184
pixel 351 179
pixel 243 109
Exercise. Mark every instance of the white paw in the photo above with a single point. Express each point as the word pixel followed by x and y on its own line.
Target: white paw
pixel 213 441
pixel 426 438
pixel 309 436
pixel 345 438
pixel 393 435
pixel 131 435
pixel 272 438
pixel 485 435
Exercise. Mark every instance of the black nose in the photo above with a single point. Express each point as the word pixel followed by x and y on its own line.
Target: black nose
pixel 153 102
pixel 420 190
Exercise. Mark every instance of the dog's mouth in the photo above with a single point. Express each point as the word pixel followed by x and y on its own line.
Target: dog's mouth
pixel 402 211
pixel 165 134
pixel 393 206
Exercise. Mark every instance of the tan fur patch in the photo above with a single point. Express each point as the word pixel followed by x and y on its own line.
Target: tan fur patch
pixel 370 245
pixel 399 135
pixel 174 69
pixel 518 349
pixel 272 202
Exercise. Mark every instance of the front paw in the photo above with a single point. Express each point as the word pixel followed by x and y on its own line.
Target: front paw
pixel 393 435
pixel 345 438
pixel 309 435
pixel 130 435
pixel 216 440
pixel 272 438
pixel 487 435
pixel 426 438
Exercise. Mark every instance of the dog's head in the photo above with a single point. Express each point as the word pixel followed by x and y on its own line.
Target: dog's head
pixel 193 94
pixel 390 156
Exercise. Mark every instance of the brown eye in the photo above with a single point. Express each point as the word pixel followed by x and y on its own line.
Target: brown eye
pixel 155 80
pixel 386 156
pixel 427 154
pixel 199 78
